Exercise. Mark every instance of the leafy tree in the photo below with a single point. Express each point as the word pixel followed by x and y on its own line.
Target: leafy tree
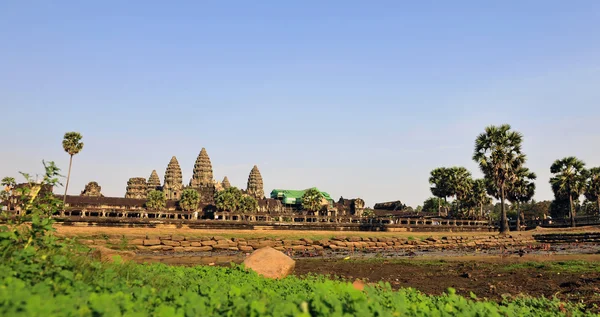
pixel 248 204
pixel 312 200
pixel 569 181
pixel 71 144
pixel 228 199
pixel 522 190
pixel 461 185
pixel 589 208
pixel 442 188
pixel 419 209
pixel 592 190
pixel 156 200
pixel 368 212
pixel 434 204
pixel 479 195
pixel 498 153
pixel 190 199
pixel 536 210
pixel 9 183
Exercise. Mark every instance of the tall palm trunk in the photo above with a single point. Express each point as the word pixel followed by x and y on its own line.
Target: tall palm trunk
pixel 571 211
pixel 504 220
pixel 518 217
pixel 67 185
pixel 481 211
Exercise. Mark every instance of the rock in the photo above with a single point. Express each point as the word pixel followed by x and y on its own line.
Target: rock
pixel 245 248
pixel 171 243
pixel 177 238
pixel 207 243
pixel 107 255
pixel 151 242
pixel 270 263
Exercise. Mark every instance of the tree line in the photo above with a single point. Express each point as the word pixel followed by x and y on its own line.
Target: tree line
pixel 498 152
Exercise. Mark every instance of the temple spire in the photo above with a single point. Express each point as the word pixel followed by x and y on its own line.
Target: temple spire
pixel 225 183
pixel 203 173
pixel 255 184
pixel 173 184
pixel 153 181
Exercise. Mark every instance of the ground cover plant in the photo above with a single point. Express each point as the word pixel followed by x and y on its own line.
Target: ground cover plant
pixel 42 276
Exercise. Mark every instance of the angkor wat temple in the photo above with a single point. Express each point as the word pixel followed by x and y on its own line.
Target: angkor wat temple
pixel 284 205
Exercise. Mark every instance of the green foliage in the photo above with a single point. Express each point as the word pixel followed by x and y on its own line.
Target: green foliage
pixel 433 204
pixel 419 209
pixel 228 199
pixel 72 143
pixel 592 190
pixel 441 180
pixel 156 200
pixel 248 204
pixel 569 181
pixel 189 200
pixel 498 153
pixel 368 212
pixel 312 200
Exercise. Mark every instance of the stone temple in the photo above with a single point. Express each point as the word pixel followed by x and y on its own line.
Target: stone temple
pixel 153 182
pixel 255 187
pixel 173 185
pixel 92 189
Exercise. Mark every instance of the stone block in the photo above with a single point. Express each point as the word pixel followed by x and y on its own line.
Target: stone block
pixel 151 242
pixel 185 243
pixel 171 243
pixel 245 248
pixel 298 242
pixel 178 249
pixel 217 238
pixel 354 239
pixel 270 263
pixel 308 241
pixel 136 242
pixel 177 238
pixel 164 237
pixel 233 248
pixel 221 246
pixel 197 249
pixel 195 244
pixel 208 243
pixel 339 238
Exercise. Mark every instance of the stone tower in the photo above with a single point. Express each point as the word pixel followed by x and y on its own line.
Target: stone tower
pixel 173 184
pixel 92 189
pixel 255 184
pixel 136 188
pixel 225 183
pixel 203 173
pixel 153 182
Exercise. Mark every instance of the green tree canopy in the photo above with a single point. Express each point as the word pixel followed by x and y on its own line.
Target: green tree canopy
pixel 190 199
pixel 228 199
pixel 592 190
pixel 248 204
pixel 312 200
pixel 569 181
pixel 521 190
pixel 433 204
pixel 498 153
pixel 156 200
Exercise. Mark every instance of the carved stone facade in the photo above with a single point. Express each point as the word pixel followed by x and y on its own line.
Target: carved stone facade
pixel 225 183
pixel 255 185
pixel 173 185
pixel 203 173
pixel 153 182
pixel 136 188
pixel 202 178
pixel 92 189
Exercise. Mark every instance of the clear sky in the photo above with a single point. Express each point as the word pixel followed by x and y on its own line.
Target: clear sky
pixel 359 98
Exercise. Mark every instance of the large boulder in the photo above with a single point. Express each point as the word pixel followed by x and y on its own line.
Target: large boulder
pixel 270 263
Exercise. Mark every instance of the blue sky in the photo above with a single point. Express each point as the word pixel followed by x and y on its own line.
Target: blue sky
pixel 358 98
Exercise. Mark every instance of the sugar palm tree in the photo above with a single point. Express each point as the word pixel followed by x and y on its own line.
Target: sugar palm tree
pixel 498 153
pixel 592 191
pixel 461 185
pixel 440 179
pixel 569 180
pixel 522 190
pixel 479 195
pixel 189 200
pixel 312 200
pixel 71 144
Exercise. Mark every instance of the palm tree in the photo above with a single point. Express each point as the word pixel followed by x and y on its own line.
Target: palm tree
pixel 498 153
pixel 71 144
pixel 190 199
pixel 228 199
pixel 569 180
pixel 522 190
pixel 592 191
pixel 461 185
pixel 440 179
pixel 156 200
pixel 479 194
pixel 248 204
pixel 312 200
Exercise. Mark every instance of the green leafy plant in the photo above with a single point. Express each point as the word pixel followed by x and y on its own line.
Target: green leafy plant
pixel 72 145
pixel 156 200
pixel 190 199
